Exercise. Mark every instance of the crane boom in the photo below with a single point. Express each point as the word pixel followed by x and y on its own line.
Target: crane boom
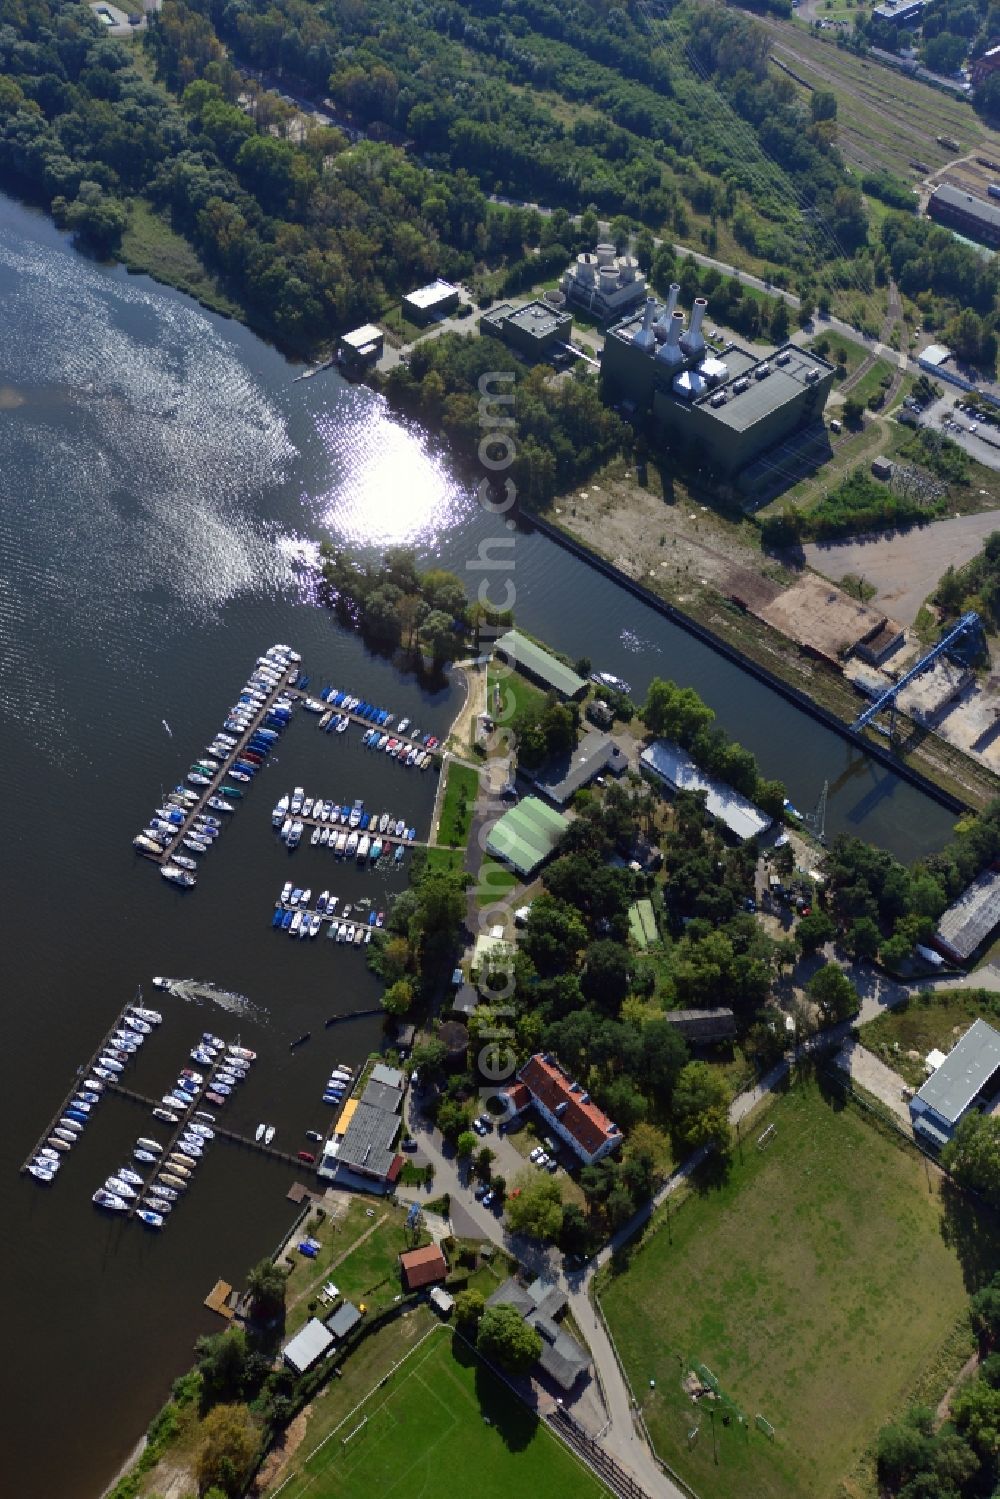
pixel 963 626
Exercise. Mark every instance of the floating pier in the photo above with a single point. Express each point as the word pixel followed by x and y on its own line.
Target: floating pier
pixel 216 781
pixel 343 827
pixel 82 1072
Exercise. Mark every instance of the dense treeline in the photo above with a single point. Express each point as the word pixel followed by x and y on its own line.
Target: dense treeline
pixel 562 428
pixel 975 586
pixel 919 1458
pixel 394 605
pixel 883 907
pixel 954 287
pixel 857 505
pixel 678 713
pixel 637 132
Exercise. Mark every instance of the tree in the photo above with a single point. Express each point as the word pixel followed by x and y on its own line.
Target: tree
pixel 903 1449
pixel 972 1155
pixel 439 636
pixel 222 1362
pixel 428 1058
pixel 862 938
pixel 605 977
pixel 469 1308
pixel 701 1107
pixel 465 1144
pixel 780 326
pixel 266 1286
pixel 833 992
pixel 814 930
pixel 649 1144
pixel 984 1312
pixel 505 1339
pixel 537 1209
pixel 854 412
pixel 229 1446
pixel 398 998
pixel 975 1411
pixel 484 1160
pixel 823 104
pixel 574 1236
pixel 677 712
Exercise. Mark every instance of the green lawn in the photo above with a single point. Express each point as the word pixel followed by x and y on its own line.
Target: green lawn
pixel 458 805
pixel 924 1022
pixel 369 1272
pixel 816 1285
pixel 441 1426
pixel 450 860
pixel 495 881
pixel 508 693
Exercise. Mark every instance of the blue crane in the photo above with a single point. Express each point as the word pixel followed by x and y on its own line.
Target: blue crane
pixel 968 624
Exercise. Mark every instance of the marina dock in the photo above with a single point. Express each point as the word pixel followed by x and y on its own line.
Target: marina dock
pixel 216 781
pixel 81 1073
pixel 286 1157
pixel 387 839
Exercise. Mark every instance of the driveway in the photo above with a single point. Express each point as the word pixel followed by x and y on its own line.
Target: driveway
pixel 865 1069
pixel 904 566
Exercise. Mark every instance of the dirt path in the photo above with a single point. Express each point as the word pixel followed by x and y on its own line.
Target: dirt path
pixel 944 1404
pixel 459 736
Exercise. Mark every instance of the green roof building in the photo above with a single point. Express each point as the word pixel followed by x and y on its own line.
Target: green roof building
pixel 540 666
pixel 526 835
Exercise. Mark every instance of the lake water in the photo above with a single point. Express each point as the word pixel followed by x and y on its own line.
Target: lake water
pixel 162 476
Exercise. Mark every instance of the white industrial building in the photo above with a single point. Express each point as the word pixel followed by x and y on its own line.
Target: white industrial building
pixel 604 283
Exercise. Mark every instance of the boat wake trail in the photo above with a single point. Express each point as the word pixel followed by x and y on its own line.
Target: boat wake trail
pixel 197 992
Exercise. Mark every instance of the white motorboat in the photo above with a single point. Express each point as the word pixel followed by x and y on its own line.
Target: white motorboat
pixel 269 1134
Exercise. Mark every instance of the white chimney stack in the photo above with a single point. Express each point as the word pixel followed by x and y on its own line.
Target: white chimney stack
pixel 693 341
pixel 663 326
pixel 671 352
pixel 644 338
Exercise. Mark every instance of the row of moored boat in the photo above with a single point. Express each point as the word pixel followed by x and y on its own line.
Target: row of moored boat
pixel 347 830
pixel 181 828
pixel 292 914
pixel 135 1025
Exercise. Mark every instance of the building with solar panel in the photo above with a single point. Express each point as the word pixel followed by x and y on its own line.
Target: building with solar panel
pixel 722 404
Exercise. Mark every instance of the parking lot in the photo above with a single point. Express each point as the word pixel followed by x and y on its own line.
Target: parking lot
pixel 983 443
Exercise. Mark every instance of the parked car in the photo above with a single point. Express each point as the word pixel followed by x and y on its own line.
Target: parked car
pixel 551 1165
pixel 409 1143
pixel 536 1154
pixel 481 1191
pixel 489 1199
pixel 543 1160
pixel 479 1126
pixel 486 1122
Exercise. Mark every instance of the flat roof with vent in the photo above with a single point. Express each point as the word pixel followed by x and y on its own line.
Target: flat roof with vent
pixel 763 396
pixel 968 1069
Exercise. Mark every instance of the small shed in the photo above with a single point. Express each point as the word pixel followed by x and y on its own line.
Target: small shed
pixel 343 1320
pixel 881 468
pixel 442 1301
pixel 308 1346
pixel 422 1267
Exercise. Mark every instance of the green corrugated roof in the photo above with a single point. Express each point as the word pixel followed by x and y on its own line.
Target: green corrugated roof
pixel 520 651
pixel 526 835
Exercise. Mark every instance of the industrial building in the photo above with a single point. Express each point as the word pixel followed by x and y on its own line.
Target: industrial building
pixel 675 768
pixel 536 330
pixel 308 1346
pixel 967 1077
pixel 970 920
pixel 899 12
pixel 723 404
pixel 605 284
pixel 430 301
pixel 525 836
pixel 974 217
pixel 361 348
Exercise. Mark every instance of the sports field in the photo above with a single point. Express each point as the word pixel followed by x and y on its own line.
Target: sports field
pixel 814 1284
pixel 441 1427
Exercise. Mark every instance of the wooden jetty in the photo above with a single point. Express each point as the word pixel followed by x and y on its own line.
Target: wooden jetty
pixel 285 685
pixel 221 1132
pixel 81 1073
pixel 218 1300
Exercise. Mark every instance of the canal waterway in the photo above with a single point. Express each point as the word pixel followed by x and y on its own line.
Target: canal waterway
pixel 162 476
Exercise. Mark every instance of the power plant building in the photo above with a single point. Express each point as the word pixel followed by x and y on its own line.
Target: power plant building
pixel 533 330
pixel 605 284
pixel 726 404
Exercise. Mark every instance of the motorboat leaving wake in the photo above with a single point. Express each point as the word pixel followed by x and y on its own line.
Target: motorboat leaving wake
pixel 198 992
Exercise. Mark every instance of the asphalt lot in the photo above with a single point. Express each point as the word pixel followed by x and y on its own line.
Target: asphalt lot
pixel 983 445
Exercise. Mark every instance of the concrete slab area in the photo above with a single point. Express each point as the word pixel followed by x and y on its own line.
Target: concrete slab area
pixel 904 566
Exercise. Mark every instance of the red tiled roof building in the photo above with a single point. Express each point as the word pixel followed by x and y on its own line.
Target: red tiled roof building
pixel 565 1106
